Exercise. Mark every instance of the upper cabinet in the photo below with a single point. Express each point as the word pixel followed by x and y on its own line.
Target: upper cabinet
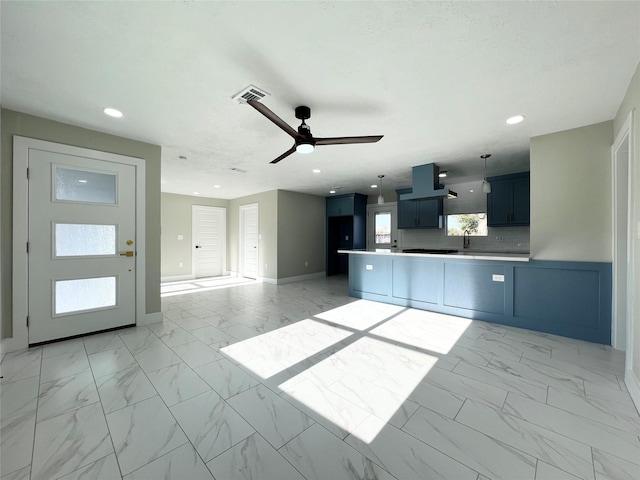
pixel 343 205
pixel 508 204
pixel 419 213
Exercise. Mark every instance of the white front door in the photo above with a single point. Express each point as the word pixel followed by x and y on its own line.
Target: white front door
pixel 209 240
pixel 81 245
pixel 249 241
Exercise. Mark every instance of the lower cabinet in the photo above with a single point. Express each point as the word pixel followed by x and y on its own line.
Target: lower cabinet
pixel 572 299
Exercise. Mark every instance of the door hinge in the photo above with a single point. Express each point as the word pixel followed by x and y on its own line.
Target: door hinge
pixel 27 173
pixel 27 321
pixel 27 247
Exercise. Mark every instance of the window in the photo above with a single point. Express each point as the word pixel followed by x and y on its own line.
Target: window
pixel 474 223
pixel 383 227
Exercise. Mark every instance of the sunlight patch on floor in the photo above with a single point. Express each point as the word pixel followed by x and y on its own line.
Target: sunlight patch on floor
pixel 355 362
pixel 183 287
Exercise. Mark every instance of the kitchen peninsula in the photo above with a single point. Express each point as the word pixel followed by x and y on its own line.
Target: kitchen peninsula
pixel 572 299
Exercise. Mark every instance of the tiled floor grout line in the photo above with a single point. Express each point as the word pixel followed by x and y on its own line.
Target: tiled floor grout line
pixel 104 415
pixel 35 420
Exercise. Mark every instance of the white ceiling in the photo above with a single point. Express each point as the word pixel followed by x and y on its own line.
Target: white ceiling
pixel 438 79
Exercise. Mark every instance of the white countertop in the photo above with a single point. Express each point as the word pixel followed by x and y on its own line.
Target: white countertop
pixel 470 255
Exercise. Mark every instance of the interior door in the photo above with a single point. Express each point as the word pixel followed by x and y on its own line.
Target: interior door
pixel 81 245
pixel 249 241
pixel 382 229
pixel 209 240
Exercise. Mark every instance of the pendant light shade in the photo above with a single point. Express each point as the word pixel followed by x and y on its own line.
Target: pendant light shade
pixel 380 197
pixel 486 186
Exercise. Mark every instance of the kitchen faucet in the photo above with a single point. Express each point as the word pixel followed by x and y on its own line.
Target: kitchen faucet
pixel 466 239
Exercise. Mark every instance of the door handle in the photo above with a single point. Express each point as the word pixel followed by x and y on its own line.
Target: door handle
pixel 198 246
pixel 130 253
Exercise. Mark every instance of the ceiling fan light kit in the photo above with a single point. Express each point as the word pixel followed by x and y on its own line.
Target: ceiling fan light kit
pixel 304 141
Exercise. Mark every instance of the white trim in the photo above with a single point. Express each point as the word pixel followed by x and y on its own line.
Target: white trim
pixel 21 146
pixel 194 208
pixel 150 318
pixel 177 278
pixel 299 278
pixel 618 323
pixel 633 385
pixel 270 281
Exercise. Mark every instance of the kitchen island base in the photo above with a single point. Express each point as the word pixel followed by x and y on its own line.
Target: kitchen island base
pixel 572 299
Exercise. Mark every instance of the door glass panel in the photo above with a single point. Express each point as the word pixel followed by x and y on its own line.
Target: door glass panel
pixel 73 240
pixel 84 294
pixel 83 186
pixel 383 228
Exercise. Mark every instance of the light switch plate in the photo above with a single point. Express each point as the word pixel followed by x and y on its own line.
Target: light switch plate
pixel 180 237
pixel 498 278
pixel 369 267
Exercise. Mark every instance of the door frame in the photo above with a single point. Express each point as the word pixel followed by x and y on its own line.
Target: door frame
pixel 622 174
pixel 194 208
pixel 20 277
pixel 372 209
pixel 241 212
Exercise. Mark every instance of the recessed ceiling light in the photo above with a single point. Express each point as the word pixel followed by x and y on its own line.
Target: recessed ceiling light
pixel 112 112
pixel 196 193
pixel 471 191
pixel 216 186
pixel 332 191
pixel 315 170
pixel 374 186
pixel 443 173
pixel 82 181
pixel 515 119
pixel 182 157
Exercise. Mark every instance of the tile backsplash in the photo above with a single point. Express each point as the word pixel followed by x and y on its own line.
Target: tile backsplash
pixel 499 239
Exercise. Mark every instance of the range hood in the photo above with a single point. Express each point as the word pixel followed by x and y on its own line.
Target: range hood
pixel 426 184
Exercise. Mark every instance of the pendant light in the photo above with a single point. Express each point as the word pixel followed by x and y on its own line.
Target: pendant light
pixel 486 186
pixel 380 197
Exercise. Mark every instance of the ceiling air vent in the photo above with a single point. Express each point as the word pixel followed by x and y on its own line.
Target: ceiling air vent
pixel 250 93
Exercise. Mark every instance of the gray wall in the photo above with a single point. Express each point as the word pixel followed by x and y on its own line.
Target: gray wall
pixel 301 234
pixel 176 220
pixel 15 123
pixel 632 101
pixel 267 227
pixel 571 206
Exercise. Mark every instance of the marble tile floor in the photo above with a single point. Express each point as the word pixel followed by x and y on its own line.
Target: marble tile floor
pixel 299 381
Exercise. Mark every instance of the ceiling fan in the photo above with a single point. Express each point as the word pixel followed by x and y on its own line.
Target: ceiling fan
pixel 305 142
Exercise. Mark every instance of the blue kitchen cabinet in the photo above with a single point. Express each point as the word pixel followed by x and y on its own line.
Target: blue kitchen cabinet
pixel 341 205
pixel 419 213
pixel 508 204
pixel 346 229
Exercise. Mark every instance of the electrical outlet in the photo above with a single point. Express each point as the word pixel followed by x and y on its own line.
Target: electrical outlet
pixel 266 265
pixel 499 238
pixel 180 265
pixel 180 237
pixel 306 264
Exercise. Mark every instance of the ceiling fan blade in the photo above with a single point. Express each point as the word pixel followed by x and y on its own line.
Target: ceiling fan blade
pixel 264 110
pixel 284 155
pixel 344 140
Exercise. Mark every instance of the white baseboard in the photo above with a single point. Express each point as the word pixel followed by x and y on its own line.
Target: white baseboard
pixel 633 385
pixel 272 281
pixel 150 318
pixel 177 278
pixel 10 344
pixel 299 278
